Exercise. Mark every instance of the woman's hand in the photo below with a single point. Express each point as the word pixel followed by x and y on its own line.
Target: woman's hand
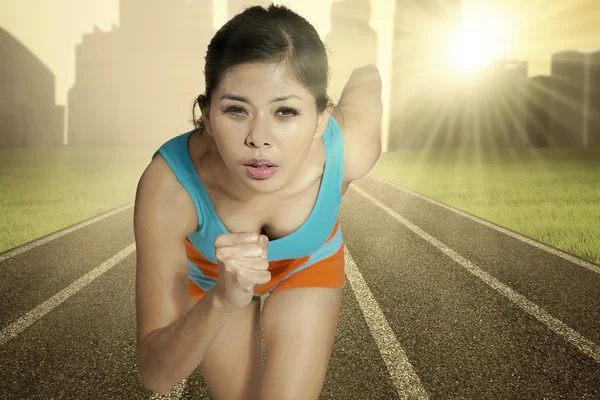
pixel 242 262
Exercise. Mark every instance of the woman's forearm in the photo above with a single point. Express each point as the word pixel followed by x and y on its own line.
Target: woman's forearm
pixel 171 354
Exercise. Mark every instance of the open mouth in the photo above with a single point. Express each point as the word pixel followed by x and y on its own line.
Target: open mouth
pixel 260 165
pixel 260 171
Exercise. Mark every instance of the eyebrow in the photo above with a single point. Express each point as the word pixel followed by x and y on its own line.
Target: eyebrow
pixel 245 100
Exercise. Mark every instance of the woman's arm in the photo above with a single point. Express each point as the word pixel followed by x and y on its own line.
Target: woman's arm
pixel 361 108
pixel 171 341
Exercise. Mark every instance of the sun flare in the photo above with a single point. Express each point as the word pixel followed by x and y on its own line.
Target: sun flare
pixel 482 35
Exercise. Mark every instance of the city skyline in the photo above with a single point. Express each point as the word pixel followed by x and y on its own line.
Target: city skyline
pixel 435 42
pixel 567 26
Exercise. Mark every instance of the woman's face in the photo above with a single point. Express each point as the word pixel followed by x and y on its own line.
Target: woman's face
pixel 260 112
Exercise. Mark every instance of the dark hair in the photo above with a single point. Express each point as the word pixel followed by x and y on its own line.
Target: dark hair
pixel 274 34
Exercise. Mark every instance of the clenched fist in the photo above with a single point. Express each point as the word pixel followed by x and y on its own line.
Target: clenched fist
pixel 242 263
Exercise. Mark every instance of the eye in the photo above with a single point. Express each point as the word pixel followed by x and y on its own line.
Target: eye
pixel 289 112
pixel 234 110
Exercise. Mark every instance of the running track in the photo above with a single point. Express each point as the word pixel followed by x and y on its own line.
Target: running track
pixel 438 304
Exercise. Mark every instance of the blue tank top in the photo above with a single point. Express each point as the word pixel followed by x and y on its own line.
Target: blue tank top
pixel 304 241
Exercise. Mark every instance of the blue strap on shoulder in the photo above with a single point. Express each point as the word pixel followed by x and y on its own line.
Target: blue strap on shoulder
pixel 175 152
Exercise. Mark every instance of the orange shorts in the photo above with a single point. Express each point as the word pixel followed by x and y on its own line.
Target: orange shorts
pixel 285 274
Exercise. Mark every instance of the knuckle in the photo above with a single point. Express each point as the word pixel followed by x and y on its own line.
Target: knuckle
pixel 218 239
pixel 221 253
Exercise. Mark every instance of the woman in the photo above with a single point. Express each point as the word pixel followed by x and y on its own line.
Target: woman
pixel 251 197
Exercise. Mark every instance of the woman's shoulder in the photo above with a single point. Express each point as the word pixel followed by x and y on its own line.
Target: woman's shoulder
pixel 160 197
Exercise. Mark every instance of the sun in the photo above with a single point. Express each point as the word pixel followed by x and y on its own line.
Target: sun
pixel 483 34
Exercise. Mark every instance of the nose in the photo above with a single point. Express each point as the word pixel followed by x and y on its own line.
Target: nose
pixel 259 136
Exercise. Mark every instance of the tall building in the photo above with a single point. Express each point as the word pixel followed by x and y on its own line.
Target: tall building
pixel 540 98
pixel 94 100
pixel 135 84
pixel 418 80
pixel 351 42
pixel 29 116
pixel 575 117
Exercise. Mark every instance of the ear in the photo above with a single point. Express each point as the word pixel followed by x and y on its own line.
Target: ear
pixel 322 121
pixel 205 110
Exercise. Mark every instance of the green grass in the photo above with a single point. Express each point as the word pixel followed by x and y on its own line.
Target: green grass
pixel 550 195
pixel 44 190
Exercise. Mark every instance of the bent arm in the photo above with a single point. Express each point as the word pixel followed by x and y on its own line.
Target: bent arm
pixel 362 109
pixel 171 341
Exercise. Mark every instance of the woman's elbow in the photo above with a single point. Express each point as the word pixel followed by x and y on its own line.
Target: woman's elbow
pixel 153 384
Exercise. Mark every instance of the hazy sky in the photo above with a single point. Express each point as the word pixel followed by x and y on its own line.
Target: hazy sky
pixel 51 28
pixel 542 27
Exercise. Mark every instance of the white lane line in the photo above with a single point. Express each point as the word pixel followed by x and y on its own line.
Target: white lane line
pixel 32 316
pixel 572 336
pixel 29 246
pixel 403 376
pixel 556 252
